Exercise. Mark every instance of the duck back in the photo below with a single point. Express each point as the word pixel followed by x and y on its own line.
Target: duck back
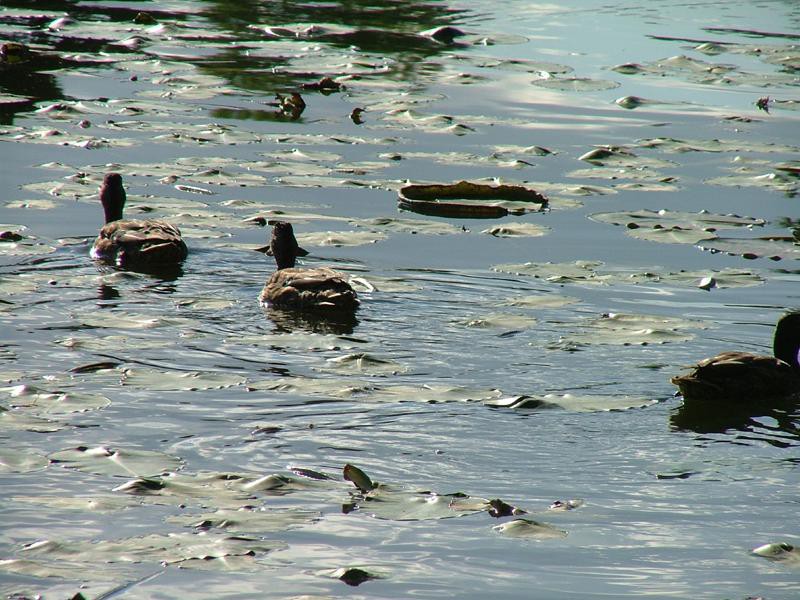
pixel 139 244
pixel 311 289
pixel 739 376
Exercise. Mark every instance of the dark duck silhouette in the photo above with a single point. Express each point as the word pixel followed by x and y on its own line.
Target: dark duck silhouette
pixel 320 289
pixel 745 377
pixel 134 244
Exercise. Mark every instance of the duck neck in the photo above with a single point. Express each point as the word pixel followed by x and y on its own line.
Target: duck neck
pixel 787 339
pixel 112 196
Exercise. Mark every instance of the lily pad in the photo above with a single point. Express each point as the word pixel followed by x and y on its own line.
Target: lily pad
pixel 103 460
pixel 574 403
pixel 631 329
pixel 247 520
pixel 174 548
pixel 541 301
pixel 340 238
pixel 16 460
pixel 155 380
pixel 775 248
pixel 43 402
pixel 783 552
pixel 527 528
pixel 476 200
pixel 499 320
pixel 363 364
pixel 576 84
pixel 517 230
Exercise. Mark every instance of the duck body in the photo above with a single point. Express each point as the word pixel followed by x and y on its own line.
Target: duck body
pixel 289 287
pixel 744 377
pixel 134 244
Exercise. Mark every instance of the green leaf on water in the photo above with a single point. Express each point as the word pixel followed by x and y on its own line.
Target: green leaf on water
pixel 631 329
pixel 246 520
pixel 541 301
pixel 339 238
pixel 413 226
pixel 43 402
pixel 363 364
pixel 573 403
pixel 170 549
pixel 576 84
pixel 17 460
pixel 774 248
pixel 498 320
pixel 105 460
pixel 527 528
pixel 157 380
pixel 517 230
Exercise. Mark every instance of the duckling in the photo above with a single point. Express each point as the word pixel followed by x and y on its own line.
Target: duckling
pixel 321 289
pixel 134 244
pixel 743 377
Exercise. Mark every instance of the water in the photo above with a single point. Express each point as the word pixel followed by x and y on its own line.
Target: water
pixel 225 391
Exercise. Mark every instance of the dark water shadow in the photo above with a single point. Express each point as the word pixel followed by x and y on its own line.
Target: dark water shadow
pixel 715 417
pixel 289 321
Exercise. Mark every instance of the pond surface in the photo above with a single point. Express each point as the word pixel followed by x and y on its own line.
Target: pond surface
pixel 164 436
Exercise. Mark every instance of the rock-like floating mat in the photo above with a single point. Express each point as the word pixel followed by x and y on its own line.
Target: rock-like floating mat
pixel 466 199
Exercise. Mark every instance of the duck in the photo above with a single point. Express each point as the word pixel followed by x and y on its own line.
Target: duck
pixel 742 377
pixel 134 244
pixel 318 289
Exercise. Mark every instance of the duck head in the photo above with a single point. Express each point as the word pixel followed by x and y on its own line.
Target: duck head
pixel 112 196
pixel 786 344
pixel 283 245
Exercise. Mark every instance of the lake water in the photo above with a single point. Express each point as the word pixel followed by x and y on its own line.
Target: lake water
pixel 167 437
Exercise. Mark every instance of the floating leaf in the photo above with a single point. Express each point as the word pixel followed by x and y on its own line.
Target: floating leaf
pixel 401 505
pixel 15 460
pixel 618 156
pixel 340 238
pixel 541 301
pixel 103 460
pixel 527 528
pixel 247 520
pixel 774 248
pixel 155 380
pixel 580 271
pixel 360 479
pixel 174 548
pixel 93 504
pixel 579 403
pixel 629 329
pixel 476 200
pixel 364 364
pixel 43 402
pixel 779 552
pixel 576 84
pixel 517 230
pixel 667 218
pixel 408 225
pixel 499 320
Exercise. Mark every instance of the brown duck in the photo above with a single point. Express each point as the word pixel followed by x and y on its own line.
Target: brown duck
pixel 134 244
pixel 319 289
pixel 745 377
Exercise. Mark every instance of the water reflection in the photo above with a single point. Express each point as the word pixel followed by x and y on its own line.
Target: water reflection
pixel 781 422
pixel 288 321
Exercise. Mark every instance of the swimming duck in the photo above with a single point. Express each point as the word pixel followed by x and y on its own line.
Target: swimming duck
pixel 320 289
pixel 134 243
pixel 741 376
